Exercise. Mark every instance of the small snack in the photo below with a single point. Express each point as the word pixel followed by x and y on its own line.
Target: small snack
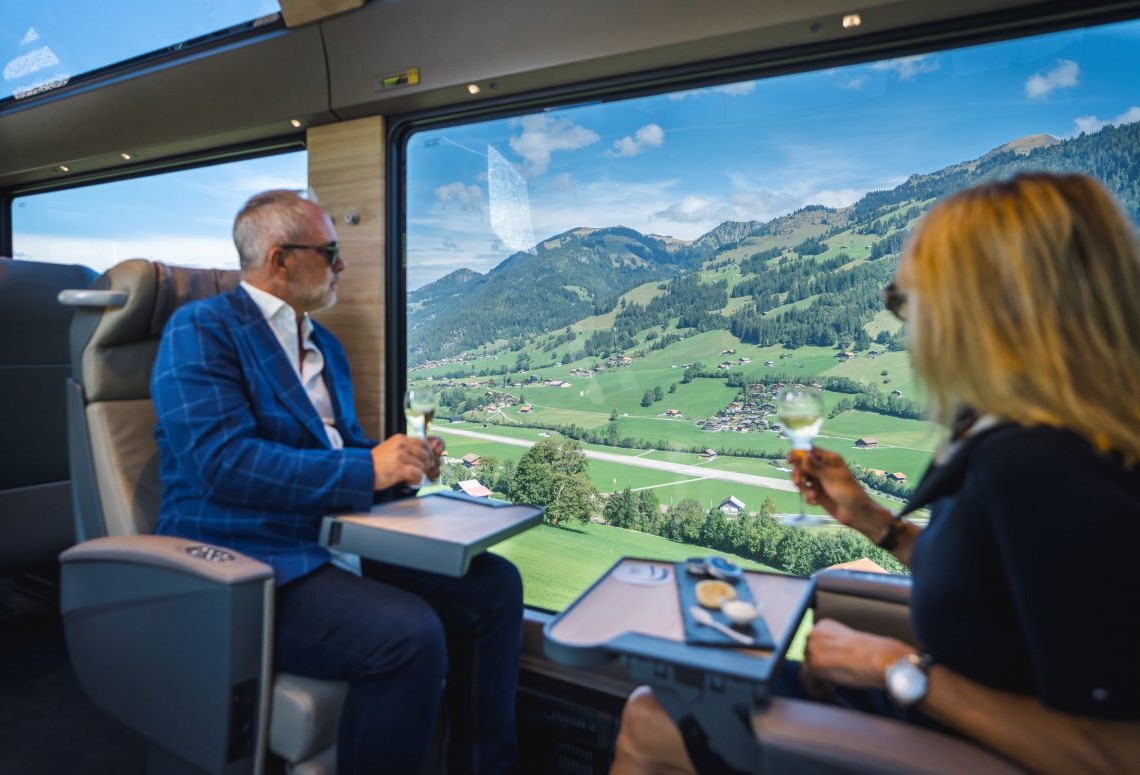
pixel 722 568
pixel 739 611
pixel 712 592
pixel 696 566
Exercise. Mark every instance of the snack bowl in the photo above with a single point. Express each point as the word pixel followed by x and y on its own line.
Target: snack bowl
pixel 739 611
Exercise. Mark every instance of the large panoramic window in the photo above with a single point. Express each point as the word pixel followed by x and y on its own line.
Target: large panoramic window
pixel 607 298
pixel 181 218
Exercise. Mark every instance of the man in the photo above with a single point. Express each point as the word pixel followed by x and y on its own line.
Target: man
pixel 258 439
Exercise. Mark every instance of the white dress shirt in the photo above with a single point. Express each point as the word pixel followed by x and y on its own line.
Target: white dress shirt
pixel 308 364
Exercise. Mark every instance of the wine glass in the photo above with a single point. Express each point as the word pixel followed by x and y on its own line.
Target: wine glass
pixel 800 410
pixel 419 410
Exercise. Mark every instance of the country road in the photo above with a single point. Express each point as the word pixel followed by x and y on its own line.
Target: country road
pixel 630 460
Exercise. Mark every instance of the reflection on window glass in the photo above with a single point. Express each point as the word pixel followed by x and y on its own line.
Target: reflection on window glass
pixel 44 44
pixel 181 218
pixel 608 297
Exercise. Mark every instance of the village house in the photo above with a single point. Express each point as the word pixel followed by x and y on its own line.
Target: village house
pixel 707 454
pixel 867 442
pixel 732 505
pixel 897 476
pixel 471 459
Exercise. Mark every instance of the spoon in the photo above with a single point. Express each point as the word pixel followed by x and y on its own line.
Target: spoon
pixel 701 616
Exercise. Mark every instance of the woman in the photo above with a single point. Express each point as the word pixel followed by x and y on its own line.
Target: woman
pixel 1022 304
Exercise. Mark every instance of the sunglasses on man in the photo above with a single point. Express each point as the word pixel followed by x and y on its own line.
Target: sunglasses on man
pixel 331 251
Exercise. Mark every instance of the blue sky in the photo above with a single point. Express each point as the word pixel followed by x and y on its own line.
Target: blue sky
pixel 680 164
pixel 674 165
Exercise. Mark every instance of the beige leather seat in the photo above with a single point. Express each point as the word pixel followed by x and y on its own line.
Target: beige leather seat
pixel 170 636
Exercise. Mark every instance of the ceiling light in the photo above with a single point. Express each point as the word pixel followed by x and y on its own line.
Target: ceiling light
pixel 473 88
pixel 63 168
pixel 296 122
pixel 851 20
pixel 126 156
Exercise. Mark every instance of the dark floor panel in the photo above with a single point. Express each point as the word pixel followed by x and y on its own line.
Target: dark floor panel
pixel 48 726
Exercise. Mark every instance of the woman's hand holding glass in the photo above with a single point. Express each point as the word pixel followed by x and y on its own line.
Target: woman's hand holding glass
pixel 825 480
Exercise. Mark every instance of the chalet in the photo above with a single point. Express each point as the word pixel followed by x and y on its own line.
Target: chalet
pixel 732 505
pixel 767 408
pixel 896 393
pixel 769 363
pixel 473 488
pixel 728 352
pixel 672 412
pixel 846 355
pixel 877 472
pixel 471 459
pixel 897 476
pixel 867 442
pixel 525 409
pixel 707 454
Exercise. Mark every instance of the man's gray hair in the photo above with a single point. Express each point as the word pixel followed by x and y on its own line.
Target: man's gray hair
pixel 268 219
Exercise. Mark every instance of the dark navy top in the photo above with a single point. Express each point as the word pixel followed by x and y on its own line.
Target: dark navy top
pixel 1024 579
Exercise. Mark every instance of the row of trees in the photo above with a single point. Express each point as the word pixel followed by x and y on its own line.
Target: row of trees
pixel 555 474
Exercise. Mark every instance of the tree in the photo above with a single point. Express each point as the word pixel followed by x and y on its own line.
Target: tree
pixel 648 512
pixel 658 394
pixel 613 415
pixel 621 509
pixel 647 399
pixel 673 387
pixel 554 473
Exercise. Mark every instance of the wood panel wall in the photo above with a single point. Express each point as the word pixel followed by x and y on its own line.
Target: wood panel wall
pixel 346 170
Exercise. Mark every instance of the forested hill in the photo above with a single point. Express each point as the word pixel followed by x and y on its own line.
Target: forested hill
pixel 565 278
pixel 1111 154
pixel 810 277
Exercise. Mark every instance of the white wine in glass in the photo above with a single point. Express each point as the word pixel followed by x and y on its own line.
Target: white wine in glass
pixel 419 411
pixel 800 410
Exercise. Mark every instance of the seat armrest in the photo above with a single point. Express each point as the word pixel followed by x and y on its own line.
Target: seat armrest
pixel 173 637
pixel 179 555
pixel 807 737
pixel 872 602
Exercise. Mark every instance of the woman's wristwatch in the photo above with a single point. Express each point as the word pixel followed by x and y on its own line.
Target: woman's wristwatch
pixel 907 681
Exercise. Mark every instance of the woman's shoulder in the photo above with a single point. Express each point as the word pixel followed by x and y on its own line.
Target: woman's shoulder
pixel 1045 454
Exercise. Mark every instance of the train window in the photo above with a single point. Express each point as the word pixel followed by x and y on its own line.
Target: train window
pixel 179 217
pixel 607 296
pixel 46 44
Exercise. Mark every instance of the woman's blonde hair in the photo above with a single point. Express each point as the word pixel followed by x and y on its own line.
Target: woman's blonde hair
pixel 1028 307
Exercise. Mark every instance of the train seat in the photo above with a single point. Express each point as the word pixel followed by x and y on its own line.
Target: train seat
pixel 171 636
pixel 35 491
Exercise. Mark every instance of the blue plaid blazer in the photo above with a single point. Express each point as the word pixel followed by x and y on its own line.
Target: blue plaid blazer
pixel 245 462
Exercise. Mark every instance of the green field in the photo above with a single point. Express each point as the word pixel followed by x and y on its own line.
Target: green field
pixel 559 563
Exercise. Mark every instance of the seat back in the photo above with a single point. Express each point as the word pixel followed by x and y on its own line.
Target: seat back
pixel 35 493
pixel 114 458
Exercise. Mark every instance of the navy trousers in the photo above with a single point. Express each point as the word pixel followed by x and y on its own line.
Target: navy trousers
pixel 404 639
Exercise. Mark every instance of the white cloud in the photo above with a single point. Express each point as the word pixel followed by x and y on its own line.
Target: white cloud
pixel 467 198
pixel 31 36
pixel 31 62
pixel 854 84
pixel 1090 124
pixel 649 136
pixel 101 253
pixel 543 135
pixel 1064 75
pixel 690 209
pixel 742 89
pixel 907 68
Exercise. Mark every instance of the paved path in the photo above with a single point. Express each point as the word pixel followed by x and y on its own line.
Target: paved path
pixel 699 472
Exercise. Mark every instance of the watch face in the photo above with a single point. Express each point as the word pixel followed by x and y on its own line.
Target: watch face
pixel 906 682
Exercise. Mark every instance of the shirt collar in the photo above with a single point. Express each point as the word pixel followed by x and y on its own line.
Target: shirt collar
pixel 271 306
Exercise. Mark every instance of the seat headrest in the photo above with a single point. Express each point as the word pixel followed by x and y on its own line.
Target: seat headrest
pixel 113 349
pixel 35 326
